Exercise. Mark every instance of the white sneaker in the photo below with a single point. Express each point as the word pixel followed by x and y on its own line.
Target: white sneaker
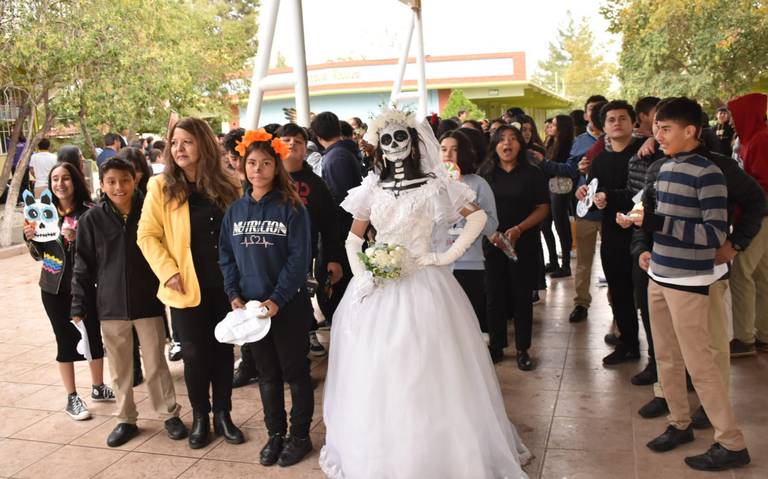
pixel 76 408
pixel 315 348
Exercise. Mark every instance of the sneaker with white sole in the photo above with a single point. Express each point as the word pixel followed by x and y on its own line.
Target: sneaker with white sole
pixel 102 393
pixel 174 352
pixel 76 408
pixel 315 348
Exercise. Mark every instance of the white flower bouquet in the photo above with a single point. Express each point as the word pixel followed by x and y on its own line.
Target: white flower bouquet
pixel 383 260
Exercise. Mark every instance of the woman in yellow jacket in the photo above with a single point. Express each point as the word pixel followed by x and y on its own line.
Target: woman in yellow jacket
pixel 179 234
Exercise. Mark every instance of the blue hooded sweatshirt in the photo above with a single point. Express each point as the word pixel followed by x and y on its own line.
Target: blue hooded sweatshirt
pixel 264 249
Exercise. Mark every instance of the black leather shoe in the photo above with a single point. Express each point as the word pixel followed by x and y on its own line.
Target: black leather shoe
pixel 551 268
pixel 524 361
pixel 176 429
pixel 646 376
pixel 270 453
pixel 121 434
pixel 561 273
pixel 244 376
pixel 655 408
pixel 578 314
pixel 294 450
pixel 699 419
pixel 671 438
pixel 497 355
pixel 611 339
pixel 201 428
pixel 622 354
pixel 223 426
pixel 718 458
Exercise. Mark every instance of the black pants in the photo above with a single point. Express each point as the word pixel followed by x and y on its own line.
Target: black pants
pixel 549 239
pixel 510 289
pixel 640 280
pixel 617 266
pixel 328 304
pixel 473 284
pixel 561 205
pixel 207 362
pixel 281 357
pixel 67 336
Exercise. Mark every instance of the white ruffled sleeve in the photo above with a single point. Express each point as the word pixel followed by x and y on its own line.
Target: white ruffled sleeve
pixel 359 199
pixel 452 197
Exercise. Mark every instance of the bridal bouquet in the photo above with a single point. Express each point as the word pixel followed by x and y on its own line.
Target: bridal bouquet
pixel 383 260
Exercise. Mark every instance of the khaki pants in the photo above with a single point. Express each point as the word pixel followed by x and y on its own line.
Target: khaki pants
pixel 118 339
pixel 586 239
pixel 681 339
pixel 749 279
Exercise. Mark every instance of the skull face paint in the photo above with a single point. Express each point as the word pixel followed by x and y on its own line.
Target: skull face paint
pixel 395 141
pixel 43 214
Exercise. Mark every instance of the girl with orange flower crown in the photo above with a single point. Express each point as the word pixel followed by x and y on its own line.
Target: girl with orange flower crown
pixel 264 254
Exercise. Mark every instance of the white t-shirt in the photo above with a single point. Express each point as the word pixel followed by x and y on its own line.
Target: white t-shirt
pixel 42 162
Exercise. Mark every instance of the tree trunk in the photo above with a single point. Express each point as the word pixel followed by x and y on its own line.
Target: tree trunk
pixel 6 227
pixel 84 128
pixel 15 134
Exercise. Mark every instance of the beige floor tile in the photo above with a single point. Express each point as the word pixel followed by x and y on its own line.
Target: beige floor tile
pixel 48 398
pixel 601 404
pixel 47 374
pixel 544 357
pixel 521 403
pixel 11 350
pixel 72 462
pixel 591 434
pixel 540 378
pixel 13 392
pixel 136 465
pixel 15 455
pixel 160 443
pixel 533 468
pixel 59 428
pixel 560 464
pixel 593 380
pixel 14 419
pixel 12 368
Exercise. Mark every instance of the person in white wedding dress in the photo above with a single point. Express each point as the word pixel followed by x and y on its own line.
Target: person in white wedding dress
pixel 411 392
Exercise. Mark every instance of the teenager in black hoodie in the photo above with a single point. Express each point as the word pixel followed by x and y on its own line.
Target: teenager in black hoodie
pixel 264 254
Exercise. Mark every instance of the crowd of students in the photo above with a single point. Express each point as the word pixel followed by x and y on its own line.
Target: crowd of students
pixel 201 225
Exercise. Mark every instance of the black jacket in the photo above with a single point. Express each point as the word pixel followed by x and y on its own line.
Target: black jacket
pixel 326 243
pixel 108 256
pixel 58 258
pixel 637 169
pixel 746 203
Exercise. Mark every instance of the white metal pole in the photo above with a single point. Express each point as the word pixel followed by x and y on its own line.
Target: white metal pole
pixel 420 61
pixel 267 23
pixel 300 68
pixel 403 63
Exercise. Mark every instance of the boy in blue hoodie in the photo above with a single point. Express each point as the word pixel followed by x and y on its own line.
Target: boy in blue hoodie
pixel 264 254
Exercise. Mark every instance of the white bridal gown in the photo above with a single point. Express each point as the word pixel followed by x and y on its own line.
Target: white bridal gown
pixel 411 392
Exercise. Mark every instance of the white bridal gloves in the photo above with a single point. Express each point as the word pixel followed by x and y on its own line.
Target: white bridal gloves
pixel 472 229
pixel 354 245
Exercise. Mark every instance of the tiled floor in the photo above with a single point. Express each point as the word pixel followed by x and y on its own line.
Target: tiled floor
pixel 578 417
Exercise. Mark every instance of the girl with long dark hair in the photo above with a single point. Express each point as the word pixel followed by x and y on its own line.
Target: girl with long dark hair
pixel 560 195
pixel 71 198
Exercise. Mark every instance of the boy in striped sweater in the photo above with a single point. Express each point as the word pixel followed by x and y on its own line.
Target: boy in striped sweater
pixel 690 222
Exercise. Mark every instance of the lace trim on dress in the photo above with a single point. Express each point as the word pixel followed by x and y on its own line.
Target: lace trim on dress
pixel 331 471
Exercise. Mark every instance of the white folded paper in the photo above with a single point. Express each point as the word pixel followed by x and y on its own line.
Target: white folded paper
pixel 244 325
pixel 83 346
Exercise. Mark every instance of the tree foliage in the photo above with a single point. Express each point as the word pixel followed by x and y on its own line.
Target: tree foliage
pixel 457 102
pixel 575 63
pixel 711 50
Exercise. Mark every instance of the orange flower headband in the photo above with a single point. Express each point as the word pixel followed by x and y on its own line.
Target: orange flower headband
pixel 261 134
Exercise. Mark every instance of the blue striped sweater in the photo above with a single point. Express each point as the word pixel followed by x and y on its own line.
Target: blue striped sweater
pixel 691 205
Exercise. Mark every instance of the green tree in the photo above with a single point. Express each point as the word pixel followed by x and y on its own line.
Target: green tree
pixel 574 66
pixel 457 102
pixel 711 50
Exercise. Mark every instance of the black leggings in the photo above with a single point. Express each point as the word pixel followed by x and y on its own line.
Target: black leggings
pixel 67 336
pixel 281 358
pixel 640 280
pixel 473 283
pixel 561 205
pixel 207 362
pixel 510 291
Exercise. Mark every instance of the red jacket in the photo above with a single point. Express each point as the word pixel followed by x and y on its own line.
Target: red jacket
pixel 749 119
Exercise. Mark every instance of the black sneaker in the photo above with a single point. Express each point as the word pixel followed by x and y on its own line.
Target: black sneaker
pixel 699 419
pixel 121 434
pixel 176 429
pixel 270 453
pixel 535 298
pixel 655 408
pixel 740 348
pixel 670 439
pixel 102 393
pixel 718 458
pixel 551 268
pixel 611 339
pixel 294 450
pixel 315 348
pixel 524 361
pixel 622 354
pixel 578 314
pixel 76 408
pixel 646 376
pixel 561 273
pixel 244 376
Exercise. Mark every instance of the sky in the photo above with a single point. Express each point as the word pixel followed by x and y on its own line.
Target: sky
pixel 375 29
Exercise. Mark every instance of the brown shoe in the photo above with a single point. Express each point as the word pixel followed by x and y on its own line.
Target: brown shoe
pixel 740 348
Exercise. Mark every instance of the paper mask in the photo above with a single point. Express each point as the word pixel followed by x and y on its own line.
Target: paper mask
pixel 43 214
